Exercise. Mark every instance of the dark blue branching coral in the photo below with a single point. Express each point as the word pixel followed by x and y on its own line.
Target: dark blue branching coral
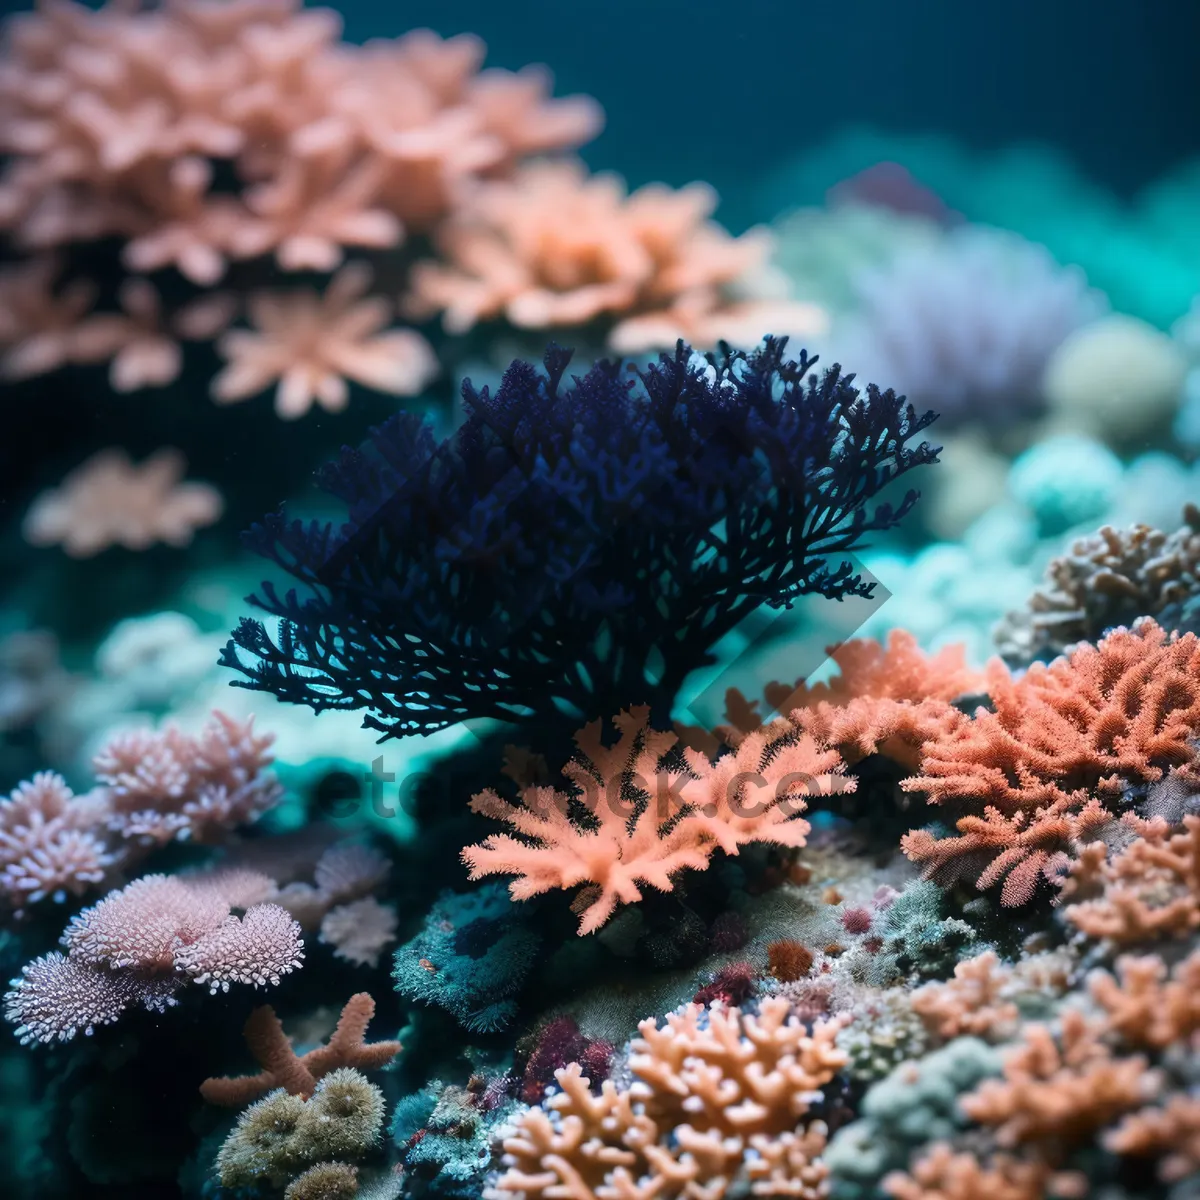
pixel 575 547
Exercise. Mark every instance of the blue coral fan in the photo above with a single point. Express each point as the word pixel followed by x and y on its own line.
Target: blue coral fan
pixel 576 547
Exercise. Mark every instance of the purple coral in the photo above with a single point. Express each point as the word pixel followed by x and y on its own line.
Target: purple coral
pixel 968 323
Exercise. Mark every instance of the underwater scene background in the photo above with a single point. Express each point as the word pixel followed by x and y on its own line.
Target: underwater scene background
pixel 616 630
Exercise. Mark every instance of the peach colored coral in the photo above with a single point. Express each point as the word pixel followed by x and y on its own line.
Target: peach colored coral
pixel 686 814
pixel 941 1174
pixel 1058 1092
pixel 108 501
pixel 718 1096
pixel 311 344
pixel 112 118
pixel 1051 763
pixel 887 700
pixel 1149 890
pixel 1150 1007
pixel 38 321
pixel 973 1002
pixel 296 1073
pixel 200 134
pixel 1170 1134
pixel 555 246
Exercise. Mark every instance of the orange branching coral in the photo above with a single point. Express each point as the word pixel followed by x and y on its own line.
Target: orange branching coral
pixel 887 700
pixel 649 819
pixel 1150 889
pixel 940 1174
pixel 973 1002
pixel 556 247
pixel 718 1098
pixel 1056 1094
pixel 313 343
pixel 1046 767
pixel 901 670
pixel 108 501
pixel 298 1074
pixel 1170 1133
pixel 1148 1009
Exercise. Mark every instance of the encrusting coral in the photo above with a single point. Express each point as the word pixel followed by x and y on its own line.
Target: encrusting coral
pixel 1051 763
pixel 284 1136
pixel 507 571
pixel 109 501
pixel 298 1075
pixel 718 1100
pixel 648 819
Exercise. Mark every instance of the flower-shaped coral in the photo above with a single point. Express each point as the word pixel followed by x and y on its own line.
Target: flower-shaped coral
pixel 555 247
pixel 313 343
pixel 107 501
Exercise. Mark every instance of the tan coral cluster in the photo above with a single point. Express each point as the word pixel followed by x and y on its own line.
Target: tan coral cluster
pixel 1150 889
pixel 1100 1076
pixel 719 1100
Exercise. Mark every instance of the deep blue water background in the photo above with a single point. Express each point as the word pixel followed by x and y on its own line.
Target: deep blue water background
pixel 709 89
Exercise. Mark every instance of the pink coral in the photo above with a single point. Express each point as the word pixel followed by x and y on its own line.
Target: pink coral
pixel 685 815
pixel 313 343
pixel 202 134
pixel 360 930
pixel 140 945
pixel 168 785
pixel 51 841
pixel 154 787
pixel 108 501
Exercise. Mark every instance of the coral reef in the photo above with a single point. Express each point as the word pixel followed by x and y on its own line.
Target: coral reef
pixel 1052 761
pixel 144 942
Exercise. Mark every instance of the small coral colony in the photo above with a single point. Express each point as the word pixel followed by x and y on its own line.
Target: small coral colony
pixel 460 891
